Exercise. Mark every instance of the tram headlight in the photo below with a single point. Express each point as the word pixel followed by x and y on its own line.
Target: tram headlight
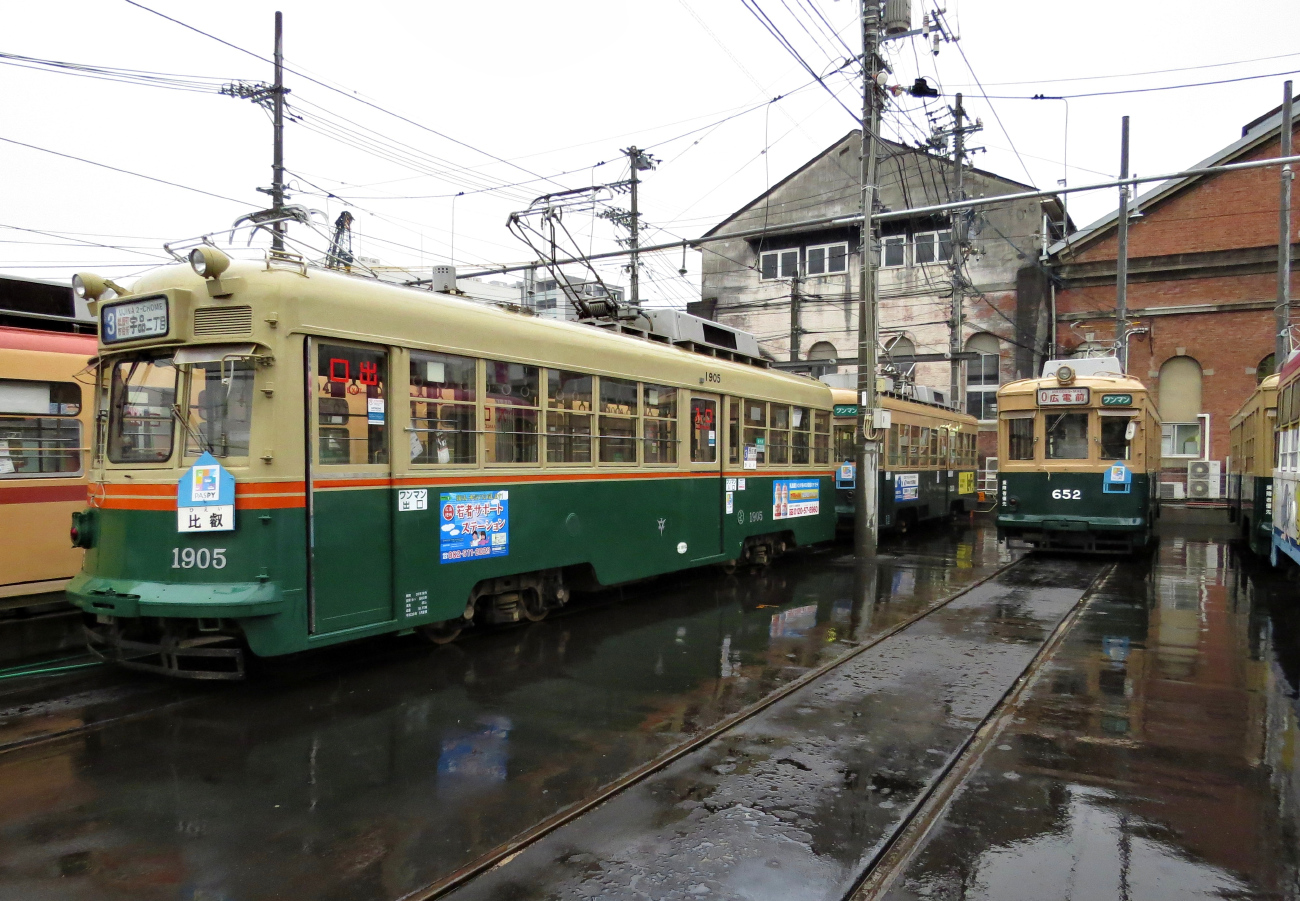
pixel 1064 374
pixel 208 261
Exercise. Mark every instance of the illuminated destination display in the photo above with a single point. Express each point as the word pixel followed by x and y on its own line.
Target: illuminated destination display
pixel 1062 397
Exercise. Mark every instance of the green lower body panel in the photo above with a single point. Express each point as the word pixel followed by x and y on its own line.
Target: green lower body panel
pixel 1075 510
pixel 909 498
pixel 367 565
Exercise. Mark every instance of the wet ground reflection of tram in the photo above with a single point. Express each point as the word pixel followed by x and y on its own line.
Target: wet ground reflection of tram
pixel 1158 755
pixel 377 773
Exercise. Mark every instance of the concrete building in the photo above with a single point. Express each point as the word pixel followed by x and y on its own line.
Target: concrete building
pixel 546 298
pixel 1202 285
pixel 796 287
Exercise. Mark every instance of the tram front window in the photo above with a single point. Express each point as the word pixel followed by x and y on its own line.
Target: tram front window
pixel 142 396
pixel 1067 436
pixel 1114 437
pixel 220 409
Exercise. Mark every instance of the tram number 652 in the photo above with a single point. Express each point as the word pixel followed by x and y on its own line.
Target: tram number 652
pixel 200 558
pixel 1067 494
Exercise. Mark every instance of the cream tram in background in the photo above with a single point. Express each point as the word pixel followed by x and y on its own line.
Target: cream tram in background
pixel 1285 542
pixel 293 458
pixel 927 463
pixel 1250 472
pixel 1079 454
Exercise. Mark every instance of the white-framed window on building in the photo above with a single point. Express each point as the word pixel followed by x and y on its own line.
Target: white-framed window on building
pixel 932 247
pixel 983 376
pixel 893 251
pixel 1180 408
pixel 778 264
pixel 826 259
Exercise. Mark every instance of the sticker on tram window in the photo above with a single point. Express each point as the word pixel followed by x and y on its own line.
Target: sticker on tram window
pixel 132 321
pixel 475 525
pixel 792 498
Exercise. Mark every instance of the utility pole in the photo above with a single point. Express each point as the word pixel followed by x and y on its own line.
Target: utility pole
pixel 640 162
pixel 1283 309
pixel 795 330
pixel 277 160
pixel 866 474
pixel 957 243
pixel 1121 259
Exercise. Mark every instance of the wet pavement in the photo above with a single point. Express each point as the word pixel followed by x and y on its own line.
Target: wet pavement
pixel 795 802
pixel 1156 756
pixel 372 771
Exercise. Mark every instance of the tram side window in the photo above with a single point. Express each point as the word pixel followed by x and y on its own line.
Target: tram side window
pixel 922 445
pixel 42 444
pixel 733 429
pixel 351 398
pixel 142 393
pixel 756 429
pixel 800 429
pixel 1020 438
pixel 568 416
pixel 618 411
pixel 822 436
pixel 1114 437
pixel 778 437
pixel 704 430
pixel 945 448
pixel 220 408
pixel 443 414
pixel 893 444
pixel 511 412
pixel 659 409
pixel 1067 436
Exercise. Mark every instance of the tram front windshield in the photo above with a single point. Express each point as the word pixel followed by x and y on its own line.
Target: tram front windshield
pixel 1067 436
pixel 220 404
pixel 142 395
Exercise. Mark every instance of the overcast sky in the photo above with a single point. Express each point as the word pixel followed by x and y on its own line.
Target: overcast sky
pixel 513 94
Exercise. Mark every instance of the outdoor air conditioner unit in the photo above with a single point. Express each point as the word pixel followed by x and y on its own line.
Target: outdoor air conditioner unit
pixel 1203 480
pixel 1171 491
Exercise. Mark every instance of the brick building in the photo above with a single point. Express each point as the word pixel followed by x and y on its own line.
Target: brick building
pixel 1202 282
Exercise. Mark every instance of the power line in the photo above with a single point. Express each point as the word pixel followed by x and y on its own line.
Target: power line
pixel 1168 87
pixel 770 26
pixel 161 181
pixel 1240 62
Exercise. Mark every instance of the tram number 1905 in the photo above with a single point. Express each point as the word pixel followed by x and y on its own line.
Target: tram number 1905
pixel 1067 494
pixel 198 558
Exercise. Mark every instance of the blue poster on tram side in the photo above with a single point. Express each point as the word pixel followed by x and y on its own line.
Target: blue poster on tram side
pixel 475 525
pixel 795 497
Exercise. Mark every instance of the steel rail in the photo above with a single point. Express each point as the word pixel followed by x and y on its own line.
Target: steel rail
pixel 899 848
pixel 506 851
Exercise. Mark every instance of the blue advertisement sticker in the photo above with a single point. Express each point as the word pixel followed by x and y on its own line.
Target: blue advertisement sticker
pixel 1118 480
pixel 795 497
pixel 475 525
pixel 907 486
pixel 205 497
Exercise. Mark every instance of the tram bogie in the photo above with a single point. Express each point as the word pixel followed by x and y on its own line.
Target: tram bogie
pixel 305 458
pixel 1079 451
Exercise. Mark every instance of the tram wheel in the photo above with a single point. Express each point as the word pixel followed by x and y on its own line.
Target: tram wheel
pixel 444 632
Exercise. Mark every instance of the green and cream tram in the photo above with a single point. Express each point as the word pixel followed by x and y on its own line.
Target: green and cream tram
pixel 1078 451
pixel 289 458
pixel 927 464
pixel 1250 466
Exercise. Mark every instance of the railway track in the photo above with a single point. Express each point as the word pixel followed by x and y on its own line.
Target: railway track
pixel 490 874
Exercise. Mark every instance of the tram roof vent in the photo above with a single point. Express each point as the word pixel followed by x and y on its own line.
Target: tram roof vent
pixel 1086 366
pixel 692 332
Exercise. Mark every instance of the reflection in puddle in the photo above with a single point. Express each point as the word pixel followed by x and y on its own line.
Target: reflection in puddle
pixel 1157 756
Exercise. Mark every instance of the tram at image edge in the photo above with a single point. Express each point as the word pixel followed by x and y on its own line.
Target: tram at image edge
pixel 1285 544
pixel 290 458
pixel 1250 465
pixel 927 463
pixel 1079 458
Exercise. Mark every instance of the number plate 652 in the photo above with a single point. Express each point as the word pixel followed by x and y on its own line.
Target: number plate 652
pixel 1067 494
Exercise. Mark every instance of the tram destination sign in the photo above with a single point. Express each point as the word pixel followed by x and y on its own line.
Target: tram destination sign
pixel 1117 400
pixel 134 320
pixel 1063 397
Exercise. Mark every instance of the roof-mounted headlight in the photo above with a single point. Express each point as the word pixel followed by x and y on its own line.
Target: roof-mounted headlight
pixel 1064 374
pixel 208 261
pixel 87 286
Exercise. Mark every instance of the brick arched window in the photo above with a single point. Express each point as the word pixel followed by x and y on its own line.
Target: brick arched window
pixel 1180 408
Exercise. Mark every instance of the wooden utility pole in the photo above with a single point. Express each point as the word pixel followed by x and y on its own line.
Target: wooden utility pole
pixel 277 159
pixel 866 489
pixel 795 329
pixel 1121 259
pixel 1283 310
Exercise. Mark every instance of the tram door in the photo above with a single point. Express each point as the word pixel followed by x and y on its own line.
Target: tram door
pixel 349 499
pixel 709 498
